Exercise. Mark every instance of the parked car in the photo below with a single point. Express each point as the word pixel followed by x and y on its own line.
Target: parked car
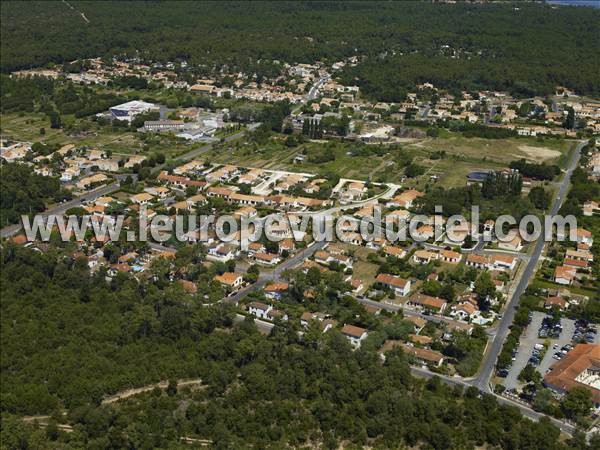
pixel 503 373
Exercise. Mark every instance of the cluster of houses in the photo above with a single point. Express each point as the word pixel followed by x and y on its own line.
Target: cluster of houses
pixel 527 117
pixel 78 168
pixel 577 262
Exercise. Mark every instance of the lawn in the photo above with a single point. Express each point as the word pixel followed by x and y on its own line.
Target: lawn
pixel 362 268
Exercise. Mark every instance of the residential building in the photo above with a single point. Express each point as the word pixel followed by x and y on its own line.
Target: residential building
pixel 259 309
pixel 356 335
pixel 450 256
pixel 424 356
pixel 398 285
pixel 427 302
pixel 424 256
pixel 276 290
pixel 564 274
pixel 142 199
pixel 230 279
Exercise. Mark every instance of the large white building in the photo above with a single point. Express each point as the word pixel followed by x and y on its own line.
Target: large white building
pixel 128 111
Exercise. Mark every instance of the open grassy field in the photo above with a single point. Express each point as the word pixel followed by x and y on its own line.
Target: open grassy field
pixel 462 155
pixel 275 155
pixel 120 142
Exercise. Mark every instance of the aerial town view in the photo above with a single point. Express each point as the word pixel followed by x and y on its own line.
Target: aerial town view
pixel 309 224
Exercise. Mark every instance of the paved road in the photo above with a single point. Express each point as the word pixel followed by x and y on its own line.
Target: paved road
pixel 314 90
pixel 483 379
pixel 109 189
pixel 262 325
pixel 275 274
pixel 523 408
pixel 198 151
pixel 62 207
pixel 408 312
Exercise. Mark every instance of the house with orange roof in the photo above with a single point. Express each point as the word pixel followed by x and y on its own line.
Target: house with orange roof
pixel 356 335
pixel 399 285
pixel 424 356
pixel 397 216
pixel 424 256
pixel 465 311
pixel 584 236
pixel 418 323
pixel 405 199
pixel 397 252
pixel 513 242
pixel 590 208
pixel 141 199
pixel 158 191
pixel 427 302
pixel 230 279
pixel 557 301
pixel 286 245
pixel 450 256
pixel 421 340
pixel 580 255
pixel 577 263
pixel 267 259
pixel 276 290
pixel 579 368
pixel 503 262
pixel 477 261
pixel 564 274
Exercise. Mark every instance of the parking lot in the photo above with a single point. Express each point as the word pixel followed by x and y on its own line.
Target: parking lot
pixel 564 339
pixel 527 345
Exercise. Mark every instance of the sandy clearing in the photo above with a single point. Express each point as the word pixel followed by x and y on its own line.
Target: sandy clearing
pixel 539 154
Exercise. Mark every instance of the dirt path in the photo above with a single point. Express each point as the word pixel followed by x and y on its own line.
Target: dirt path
pixel 135 391
pixel 43 421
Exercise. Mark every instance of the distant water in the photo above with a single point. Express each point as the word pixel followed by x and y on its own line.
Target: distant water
pixel 593 3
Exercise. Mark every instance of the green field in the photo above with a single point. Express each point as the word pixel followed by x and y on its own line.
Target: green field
pixel 120 142
pixel 462 155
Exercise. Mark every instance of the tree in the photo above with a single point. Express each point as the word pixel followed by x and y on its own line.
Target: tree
pixel 172 388
pixel 577 402
pixel 55 120
pixel 569 122
pixel 485 289
pixel 529 374
pixel 414 170
pixel 539 197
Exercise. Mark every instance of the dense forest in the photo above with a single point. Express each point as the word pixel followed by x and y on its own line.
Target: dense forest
pixel 524 48
pixel 69 339
pixel 24 192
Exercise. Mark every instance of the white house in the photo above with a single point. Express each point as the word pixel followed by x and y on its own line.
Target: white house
pixel 503 262
pixel 399 285
pixel 354 334
pixel 259 310
pixel 514 242
pixel 223 252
